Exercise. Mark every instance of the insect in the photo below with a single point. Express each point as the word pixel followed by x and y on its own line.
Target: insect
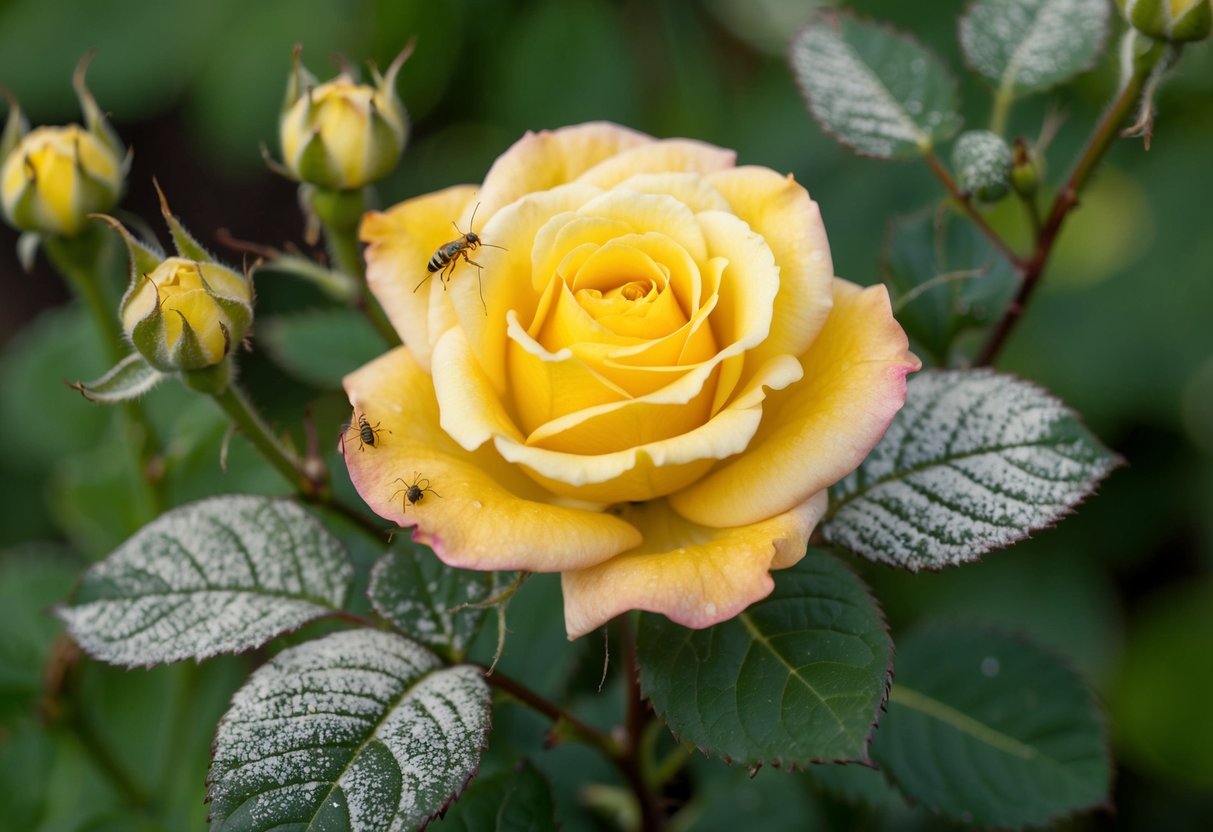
pixel 414 491
pixel 368 434
pixel 447 257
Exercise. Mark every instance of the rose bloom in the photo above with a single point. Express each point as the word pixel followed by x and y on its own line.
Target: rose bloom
pixel 666 381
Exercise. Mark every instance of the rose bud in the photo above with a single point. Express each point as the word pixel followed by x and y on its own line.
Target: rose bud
pixel 983 164
pixel 1171 20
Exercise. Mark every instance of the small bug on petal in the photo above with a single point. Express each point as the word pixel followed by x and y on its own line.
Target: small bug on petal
pixel 413 491
pixel 368 434
pixel 447 257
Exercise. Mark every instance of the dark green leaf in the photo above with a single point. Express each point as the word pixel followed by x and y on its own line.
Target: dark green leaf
pixel 219 575
pixel 797 678
pixel 973 462
pixel 875 91
pixel 509 801
pixel 1030 45
pixel 321 346
pixel 992 730
pixel 360 730
pixel 418 593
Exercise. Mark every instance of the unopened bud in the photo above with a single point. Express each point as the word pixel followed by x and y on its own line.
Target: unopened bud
pixel 343 135
pixel 1177 21
pixel 983 164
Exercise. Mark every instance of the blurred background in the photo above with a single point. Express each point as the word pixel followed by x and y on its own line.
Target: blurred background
pixel 1122 331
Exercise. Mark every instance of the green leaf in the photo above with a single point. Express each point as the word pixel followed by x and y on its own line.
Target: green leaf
pixel 992 730
pixel 219 575
pixel 321 346
pixel 129 379
pixel 418 593
pixel 798 677
pixel 875 91
pixel 1030 45
pixel 509 801
pixel 973 462
pixel 361 730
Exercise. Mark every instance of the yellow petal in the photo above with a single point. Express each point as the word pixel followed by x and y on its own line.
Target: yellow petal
pixel 489 515
pixel 694 575
pixel 691 189
pixel 780 210
pixel 401 242
pixel 664 156
pixel 543 160
pixel 817 431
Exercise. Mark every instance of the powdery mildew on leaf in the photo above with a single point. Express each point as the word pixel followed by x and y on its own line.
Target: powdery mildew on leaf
pixel 1028 45
pixel 797 678
pixel 361 730
pixel 974 461
pixel 879 93
pixel 220 575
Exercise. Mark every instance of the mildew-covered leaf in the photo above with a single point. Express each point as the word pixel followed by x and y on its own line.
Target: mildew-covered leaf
pixel 798 677
pixel 216 576
pixel 974 461
pixel 419 593
pixel 362 730
pixel 875 91
pixel 1030 45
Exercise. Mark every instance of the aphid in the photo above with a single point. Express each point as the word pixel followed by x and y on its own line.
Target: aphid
pixel 368 434
pixel 413 491
pixel 447 257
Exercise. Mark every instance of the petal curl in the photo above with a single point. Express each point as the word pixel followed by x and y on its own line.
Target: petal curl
pixel 694 575
pixel 661 156
pixel 543 160
pixel 401 241
pixel 489 516
pixel 817 431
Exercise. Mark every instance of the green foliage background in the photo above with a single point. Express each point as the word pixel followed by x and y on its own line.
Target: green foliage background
pixel 1122 331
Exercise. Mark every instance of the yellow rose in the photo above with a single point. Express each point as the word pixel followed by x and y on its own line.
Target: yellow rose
pixel 664 379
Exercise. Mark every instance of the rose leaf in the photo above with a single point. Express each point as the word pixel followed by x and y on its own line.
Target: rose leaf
pixel 970 708
pixel 360 730
pixel 419 594
pixel 876 91
pixel 974 461
pixel 1031 45
pixel 797 678
pixel 219 575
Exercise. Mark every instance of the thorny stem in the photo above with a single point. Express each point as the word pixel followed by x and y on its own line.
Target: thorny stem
pixel 966 204
pixel 78 260
pixel 586 733
pixel 1065 200
pixel 632 762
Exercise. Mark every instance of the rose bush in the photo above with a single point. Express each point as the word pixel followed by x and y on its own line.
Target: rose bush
pixel 666 380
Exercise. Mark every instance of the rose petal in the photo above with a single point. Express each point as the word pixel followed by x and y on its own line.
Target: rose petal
pixel 691 189
pixel 780 210
pixel 401 242
pixel 694 575
pixel 489 516
pixel 662 156
pixel 819 430
pixel 543 160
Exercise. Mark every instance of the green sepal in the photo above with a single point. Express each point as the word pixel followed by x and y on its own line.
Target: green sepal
pixel 1194 24
pixel 299 81
pixel 93 191
pixel 274 165
pixel 15 127
pixel 185 243
pixel 385 144
pixel 239 313
pixel 27 249
pixel 144 259
pixel 314 165
pixel 94 119
pixel 387 82
pixel 130 378
pixel 189 353
pixel 149 336
pixel 24 213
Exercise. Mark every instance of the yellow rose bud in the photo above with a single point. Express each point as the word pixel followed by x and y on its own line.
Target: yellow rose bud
pixel 343 135
pixel 1171 20
pixel 54 177
pixel 187 315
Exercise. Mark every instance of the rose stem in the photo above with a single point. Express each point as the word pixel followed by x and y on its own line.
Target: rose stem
pixel 1065 200
pixel 966 203
pixel 632 763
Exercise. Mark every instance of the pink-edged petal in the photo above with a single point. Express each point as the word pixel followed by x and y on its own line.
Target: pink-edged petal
pixel 400 242
pixel 543 160
pixel 780 210
pixel 816 431
pixel 694 575
pixel 489 515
